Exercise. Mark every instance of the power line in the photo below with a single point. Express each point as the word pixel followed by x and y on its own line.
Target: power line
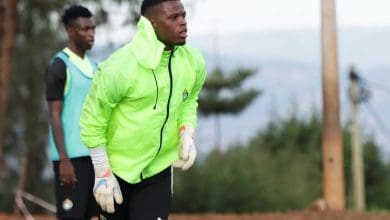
pixel 364 96
pixel 378 120
pixel 374 85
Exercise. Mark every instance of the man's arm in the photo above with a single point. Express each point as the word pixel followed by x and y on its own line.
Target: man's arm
pixel 107 90
pixel 55 110
pixel 187 119
pixel 55 85
pixel 67 173
pixel 188 114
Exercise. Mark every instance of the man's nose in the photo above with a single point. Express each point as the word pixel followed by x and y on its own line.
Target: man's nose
pixel 91 32
pixel 183 21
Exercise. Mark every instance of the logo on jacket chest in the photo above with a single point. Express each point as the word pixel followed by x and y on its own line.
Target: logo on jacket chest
pixel 185 95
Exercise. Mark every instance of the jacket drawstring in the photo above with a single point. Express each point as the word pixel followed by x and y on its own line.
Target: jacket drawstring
pixel 155 80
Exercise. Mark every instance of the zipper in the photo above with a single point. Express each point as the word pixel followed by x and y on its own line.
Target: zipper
pixel 155 80
pixel 169 100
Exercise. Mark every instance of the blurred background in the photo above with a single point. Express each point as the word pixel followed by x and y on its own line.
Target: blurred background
pixel 260 113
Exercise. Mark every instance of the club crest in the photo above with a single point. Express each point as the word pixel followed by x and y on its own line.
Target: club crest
pixel 185 95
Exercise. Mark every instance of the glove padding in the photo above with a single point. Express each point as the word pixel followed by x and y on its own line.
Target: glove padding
pixel 106 188
pixel 187 150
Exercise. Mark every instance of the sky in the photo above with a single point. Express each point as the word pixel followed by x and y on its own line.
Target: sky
pixel 260 15
pixel 223 17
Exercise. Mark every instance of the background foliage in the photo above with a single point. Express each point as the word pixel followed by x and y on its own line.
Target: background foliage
pixel 279 169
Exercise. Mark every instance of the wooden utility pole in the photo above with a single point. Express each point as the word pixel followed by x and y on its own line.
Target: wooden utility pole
pixel 332 151
pixel 357 160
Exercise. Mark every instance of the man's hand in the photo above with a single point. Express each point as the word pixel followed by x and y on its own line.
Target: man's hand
pixel 106 188
pixel 67 173
pixel 187 151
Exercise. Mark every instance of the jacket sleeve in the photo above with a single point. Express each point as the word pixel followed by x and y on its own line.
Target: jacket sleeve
pixel 108 88
pixel 188 114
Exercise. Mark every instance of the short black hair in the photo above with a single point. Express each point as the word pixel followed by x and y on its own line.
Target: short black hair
pixel 146 4
pixel 74 12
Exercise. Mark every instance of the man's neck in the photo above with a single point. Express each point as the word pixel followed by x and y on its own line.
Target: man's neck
pixel 77 51
pixel 168 47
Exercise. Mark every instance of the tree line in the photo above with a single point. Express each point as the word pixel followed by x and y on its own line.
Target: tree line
pixel 279 169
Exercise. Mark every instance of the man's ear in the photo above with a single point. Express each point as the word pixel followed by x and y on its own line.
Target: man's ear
pixel 153 23
pixel 69 30
pixel 151 19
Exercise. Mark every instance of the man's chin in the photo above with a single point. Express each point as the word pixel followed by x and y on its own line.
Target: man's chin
pixel 181 43
pixel 88 46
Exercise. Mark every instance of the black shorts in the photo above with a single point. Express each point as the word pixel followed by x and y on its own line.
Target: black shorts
pixel 147 200
pixel 83 202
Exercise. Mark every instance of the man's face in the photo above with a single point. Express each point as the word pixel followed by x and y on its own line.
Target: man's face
pixel 82 33
pixel 169 23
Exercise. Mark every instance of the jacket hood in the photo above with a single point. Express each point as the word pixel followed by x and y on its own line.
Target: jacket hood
pixel 145 46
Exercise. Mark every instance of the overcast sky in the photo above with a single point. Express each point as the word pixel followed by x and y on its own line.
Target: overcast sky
pixel 253 15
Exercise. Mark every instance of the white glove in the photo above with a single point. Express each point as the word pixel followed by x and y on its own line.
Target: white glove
pixel 187 151
pixel 106 188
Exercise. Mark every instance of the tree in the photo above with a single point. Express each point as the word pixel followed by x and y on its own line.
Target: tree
pixel 224 94
pixel 7 39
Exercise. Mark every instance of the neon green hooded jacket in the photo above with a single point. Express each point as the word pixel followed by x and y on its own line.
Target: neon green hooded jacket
pixel 139 98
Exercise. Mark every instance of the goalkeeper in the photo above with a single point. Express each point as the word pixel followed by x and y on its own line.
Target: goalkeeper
pixel 139 116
